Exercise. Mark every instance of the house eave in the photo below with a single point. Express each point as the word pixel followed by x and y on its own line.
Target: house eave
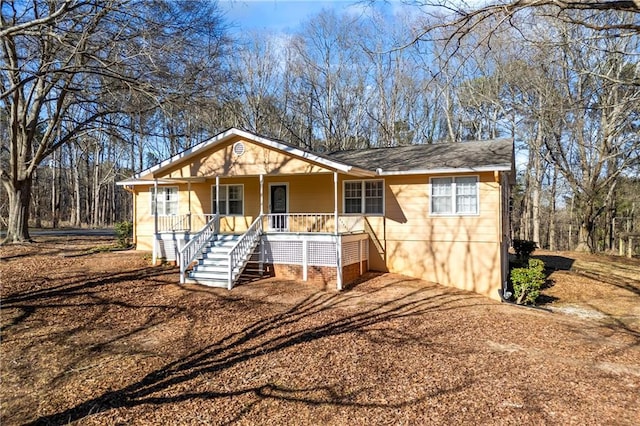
pixel 163 181
pixel 445 170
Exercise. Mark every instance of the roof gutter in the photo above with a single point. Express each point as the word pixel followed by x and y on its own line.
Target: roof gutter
pixel 444 170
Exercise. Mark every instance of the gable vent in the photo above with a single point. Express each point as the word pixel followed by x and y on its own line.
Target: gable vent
pixel 238 148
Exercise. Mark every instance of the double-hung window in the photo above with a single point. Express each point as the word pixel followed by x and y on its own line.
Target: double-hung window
pixel 231 200
pixel 363 197
pixel 166 200
pixel 454 195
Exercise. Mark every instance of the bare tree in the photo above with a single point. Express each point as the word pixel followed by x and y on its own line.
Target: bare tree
pixel 69 68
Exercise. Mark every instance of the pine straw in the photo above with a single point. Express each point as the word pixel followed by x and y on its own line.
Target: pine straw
pixel 106 339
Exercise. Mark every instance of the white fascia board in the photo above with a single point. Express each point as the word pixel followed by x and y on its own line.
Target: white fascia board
pixel 134 182
pixel 189 152
pixel 165 181
pixel 499 168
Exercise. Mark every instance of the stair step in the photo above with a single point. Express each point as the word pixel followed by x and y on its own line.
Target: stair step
pixel 207 282
pixel 208 275
pixel 215 256
pixel 212 267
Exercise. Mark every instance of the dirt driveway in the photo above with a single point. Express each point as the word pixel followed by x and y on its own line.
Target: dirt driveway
pixel 104 338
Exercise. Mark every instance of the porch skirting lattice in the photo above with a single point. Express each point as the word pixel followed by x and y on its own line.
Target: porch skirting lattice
pixel 335 259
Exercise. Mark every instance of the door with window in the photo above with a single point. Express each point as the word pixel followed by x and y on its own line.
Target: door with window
pixel 278 206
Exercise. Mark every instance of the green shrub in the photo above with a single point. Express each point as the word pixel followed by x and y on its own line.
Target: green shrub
pixel 524 248
pixel 528 281
pixel 124 233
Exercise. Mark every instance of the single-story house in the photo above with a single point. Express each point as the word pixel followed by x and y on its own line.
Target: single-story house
pixel 438 212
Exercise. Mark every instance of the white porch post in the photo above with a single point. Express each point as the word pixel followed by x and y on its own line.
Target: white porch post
pixel 217 204
pixel 335 200
pixel 261 244
pixel 305 259
pixel 189 198
pixel 261 194
pixel 339 261
pixel 338 242
pixel 155 221
pixel 217 195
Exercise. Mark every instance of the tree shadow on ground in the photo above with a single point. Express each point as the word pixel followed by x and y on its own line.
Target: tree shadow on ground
pixel 270 335
pixel 555 263
pixel 26 303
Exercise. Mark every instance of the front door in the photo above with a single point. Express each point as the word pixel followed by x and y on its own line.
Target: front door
pixel 278 194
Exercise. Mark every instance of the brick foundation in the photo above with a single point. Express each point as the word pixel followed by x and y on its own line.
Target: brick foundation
pixel 322 276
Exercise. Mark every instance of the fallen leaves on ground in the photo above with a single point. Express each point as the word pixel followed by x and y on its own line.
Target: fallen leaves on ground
pixel 105 338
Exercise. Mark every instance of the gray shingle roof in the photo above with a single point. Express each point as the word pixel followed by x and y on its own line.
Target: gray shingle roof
pixel 493 154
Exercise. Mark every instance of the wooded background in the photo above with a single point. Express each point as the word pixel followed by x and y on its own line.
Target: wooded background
pixel 95 91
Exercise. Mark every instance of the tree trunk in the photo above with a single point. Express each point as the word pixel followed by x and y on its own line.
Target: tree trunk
pixel 553 212
pixel 55 197
pixel 19 194
pixel 586 229
pixel 35 197
pixel 75 177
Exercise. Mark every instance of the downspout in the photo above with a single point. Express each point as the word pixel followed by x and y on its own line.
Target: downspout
pixel 505 294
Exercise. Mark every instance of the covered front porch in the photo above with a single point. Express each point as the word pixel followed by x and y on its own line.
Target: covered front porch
pixel 261 214
pixel 303 246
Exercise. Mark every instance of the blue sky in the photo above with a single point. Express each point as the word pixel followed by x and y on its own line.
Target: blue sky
pixel 284 15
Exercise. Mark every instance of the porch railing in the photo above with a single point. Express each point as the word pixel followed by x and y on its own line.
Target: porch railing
pixel 189 252
pixel 312 222
pixel 183 222
pixel 240 252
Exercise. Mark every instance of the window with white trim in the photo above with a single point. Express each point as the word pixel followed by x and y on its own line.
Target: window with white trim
pixel 454 195
pixel 231 200
pixel 363 197
pixel 167 200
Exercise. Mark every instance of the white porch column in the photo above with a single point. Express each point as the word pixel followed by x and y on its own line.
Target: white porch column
pixel 155 221
pixel 305 259
pixel 217 204
pixel 338 242
pixel 335 200
pixel 339 261
pixel 217 194
pixel 189 198
pixel 261 244
pixel 261 194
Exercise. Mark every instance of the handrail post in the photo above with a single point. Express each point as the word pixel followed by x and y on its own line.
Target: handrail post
pixel 188 252
pixel 230 282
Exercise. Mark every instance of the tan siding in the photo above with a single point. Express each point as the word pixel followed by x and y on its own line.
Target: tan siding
pixel 460 251
pixel 256 160
pixel 307 193
pixel 469 266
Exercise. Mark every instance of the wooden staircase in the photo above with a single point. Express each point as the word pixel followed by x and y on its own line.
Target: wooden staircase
pixel 212 268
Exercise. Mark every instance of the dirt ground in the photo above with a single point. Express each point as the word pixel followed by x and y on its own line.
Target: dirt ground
pixel 97 337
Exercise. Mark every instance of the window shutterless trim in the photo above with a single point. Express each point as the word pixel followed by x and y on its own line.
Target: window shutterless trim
pixel 453 196
pixel 226 200
pixel 363 197
pixel 155 196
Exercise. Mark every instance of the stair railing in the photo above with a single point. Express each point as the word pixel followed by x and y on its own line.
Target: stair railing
pixel 189 252
pixel 240 252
